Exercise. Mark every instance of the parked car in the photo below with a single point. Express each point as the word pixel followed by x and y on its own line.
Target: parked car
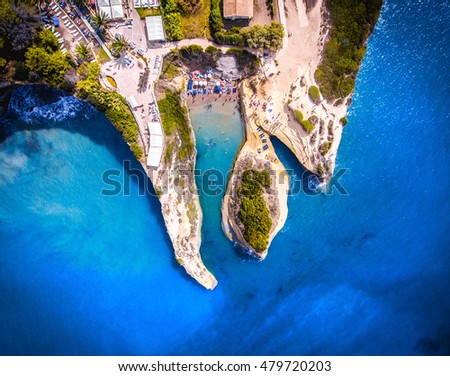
pixel 140 51
pixel 128 22
pixel 132 44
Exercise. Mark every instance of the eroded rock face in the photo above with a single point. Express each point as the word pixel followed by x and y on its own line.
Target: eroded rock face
pixel 228 68
pixel 309 4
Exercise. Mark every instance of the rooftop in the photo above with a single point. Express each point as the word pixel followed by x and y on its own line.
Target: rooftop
pixel 155 28
pixel 238 8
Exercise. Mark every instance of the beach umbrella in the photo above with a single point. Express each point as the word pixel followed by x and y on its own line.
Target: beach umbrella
pixel 196 83
pixel 218 83
pixel 209 75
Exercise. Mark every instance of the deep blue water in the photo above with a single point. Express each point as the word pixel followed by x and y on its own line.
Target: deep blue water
pixel 363 273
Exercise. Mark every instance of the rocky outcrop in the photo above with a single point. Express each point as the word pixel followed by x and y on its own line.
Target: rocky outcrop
pixel 252 156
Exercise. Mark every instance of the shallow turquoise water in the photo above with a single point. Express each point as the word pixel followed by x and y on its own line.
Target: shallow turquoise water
pixel 366 273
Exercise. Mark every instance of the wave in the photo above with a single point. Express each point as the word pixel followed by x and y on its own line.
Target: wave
pixel 40 105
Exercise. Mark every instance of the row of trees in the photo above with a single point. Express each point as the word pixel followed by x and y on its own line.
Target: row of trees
pixel 267 37
pixel 353 21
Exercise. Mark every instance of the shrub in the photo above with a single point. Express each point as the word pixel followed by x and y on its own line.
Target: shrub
pixel 211 50
pixel 308 126
pixel 343 121
pixel 192 49
pixel 320 170
pixel 314 94
pixel 325 148
pixel 306 123
pixel 171 71
pixel 298 115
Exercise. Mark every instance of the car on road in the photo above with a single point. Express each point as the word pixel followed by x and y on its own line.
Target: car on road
pixel 128 22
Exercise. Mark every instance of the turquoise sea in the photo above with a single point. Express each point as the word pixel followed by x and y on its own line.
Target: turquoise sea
pixel 363 273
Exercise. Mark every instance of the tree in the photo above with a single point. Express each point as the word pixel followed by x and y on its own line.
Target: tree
pixel 100 21
pixel 48 41
pixel 19 26
pixel 51 67
pixel 119 44
pixel 82 53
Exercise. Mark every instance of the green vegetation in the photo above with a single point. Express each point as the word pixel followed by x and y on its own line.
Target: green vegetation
pixel 253 210
pixel 33 55
pixel 46 61
pixel 171 71
pixel 353 21
pixel 186 18
pixel 82 53
pixel 119 45
pixel 102 56
pixel 308 126
pixel 192 49
pixel 27 52
pixel 100 21
pixel 271 7
pixel 111 103
pixel 343 121
pixel 211 50
pixel 215 18
pixel 320 170
pixel 172 25
pixel 325 148
pixel 314 94
pixel 244 58
pixel 176 123
pixel 298 115
pixel 19 28
pixel 267 37
pixel 195 22
pixel 146 12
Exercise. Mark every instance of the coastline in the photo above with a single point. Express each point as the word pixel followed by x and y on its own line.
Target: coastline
pixel 276 96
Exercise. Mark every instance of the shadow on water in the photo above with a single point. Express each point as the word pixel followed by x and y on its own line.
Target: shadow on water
pixel 300 178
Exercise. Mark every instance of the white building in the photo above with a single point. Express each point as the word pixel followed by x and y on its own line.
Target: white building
pixel 112 8
pixel 156 144
pixel 155 28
